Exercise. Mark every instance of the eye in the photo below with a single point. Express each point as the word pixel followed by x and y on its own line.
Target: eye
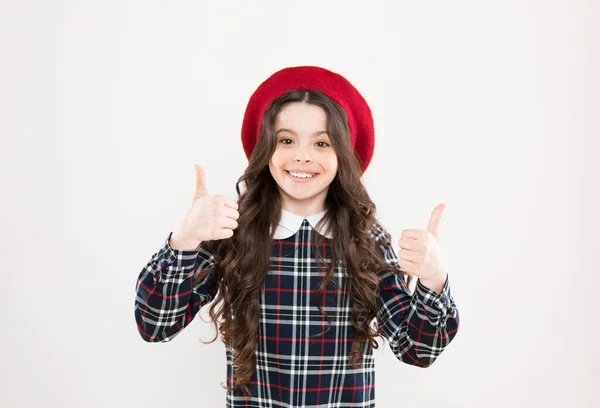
pixel 322 144
pixel 285 140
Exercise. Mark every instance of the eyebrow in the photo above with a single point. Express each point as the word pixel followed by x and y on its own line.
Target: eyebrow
pixel 320 132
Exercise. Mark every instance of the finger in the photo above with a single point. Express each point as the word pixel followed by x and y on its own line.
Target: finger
pixel 229 213
pixel 229 223
pixel 228 202
pixel 224 233
pixel 414 233
pixel 410 244
pixel 407 266
pixel 409 255
pixel 200 182
pixel 434 220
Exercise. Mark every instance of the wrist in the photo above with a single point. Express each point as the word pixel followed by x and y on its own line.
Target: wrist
pixel 183 243
pixel 435 283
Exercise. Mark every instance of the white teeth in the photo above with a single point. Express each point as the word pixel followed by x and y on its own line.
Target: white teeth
pixel 302 175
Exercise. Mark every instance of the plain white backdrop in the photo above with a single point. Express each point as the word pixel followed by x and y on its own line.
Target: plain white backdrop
pixel 491 107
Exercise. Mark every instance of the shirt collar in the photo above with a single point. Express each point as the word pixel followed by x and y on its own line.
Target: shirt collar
pixel 290 223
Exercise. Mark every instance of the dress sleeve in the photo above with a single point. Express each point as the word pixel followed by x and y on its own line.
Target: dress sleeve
pixel 418 326
pixel 166 300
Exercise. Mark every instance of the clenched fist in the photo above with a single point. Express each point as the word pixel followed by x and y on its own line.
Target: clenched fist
pixel 209 218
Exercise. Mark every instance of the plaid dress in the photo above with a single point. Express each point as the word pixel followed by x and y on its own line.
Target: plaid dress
pixel 293 367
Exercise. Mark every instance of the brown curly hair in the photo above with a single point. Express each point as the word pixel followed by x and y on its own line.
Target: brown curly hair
pixel 243 260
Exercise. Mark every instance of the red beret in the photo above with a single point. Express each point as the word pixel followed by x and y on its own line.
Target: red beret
pixel 335 86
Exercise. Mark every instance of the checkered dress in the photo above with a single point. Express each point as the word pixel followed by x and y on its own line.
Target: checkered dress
pixel 293 368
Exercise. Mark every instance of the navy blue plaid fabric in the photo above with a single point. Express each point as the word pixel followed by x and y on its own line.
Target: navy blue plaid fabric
pixel 296 368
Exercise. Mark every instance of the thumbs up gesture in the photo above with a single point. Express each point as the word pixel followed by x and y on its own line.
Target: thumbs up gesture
pixel 420 254
pixel 209 218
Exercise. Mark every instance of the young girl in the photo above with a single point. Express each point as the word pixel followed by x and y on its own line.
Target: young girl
pixel 301 274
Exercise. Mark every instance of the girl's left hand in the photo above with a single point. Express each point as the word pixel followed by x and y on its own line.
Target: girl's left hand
pixel 420 254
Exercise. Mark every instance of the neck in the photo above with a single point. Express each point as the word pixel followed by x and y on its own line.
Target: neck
pixel 303 209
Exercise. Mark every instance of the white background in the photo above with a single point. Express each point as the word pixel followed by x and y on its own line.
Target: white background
pixel 489 106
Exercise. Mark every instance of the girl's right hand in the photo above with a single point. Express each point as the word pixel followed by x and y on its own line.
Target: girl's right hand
pixel 209 218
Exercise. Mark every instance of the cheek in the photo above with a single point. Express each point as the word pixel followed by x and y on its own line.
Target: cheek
pixel 273 169
pixel 332 163
pixel 275 159
pixel 277 162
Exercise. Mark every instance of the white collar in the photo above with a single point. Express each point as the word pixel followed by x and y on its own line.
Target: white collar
pixel 290 223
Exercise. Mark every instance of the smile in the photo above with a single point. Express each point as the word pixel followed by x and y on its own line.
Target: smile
pixel 302 175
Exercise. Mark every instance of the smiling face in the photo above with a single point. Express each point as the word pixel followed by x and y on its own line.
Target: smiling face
pixel 304 162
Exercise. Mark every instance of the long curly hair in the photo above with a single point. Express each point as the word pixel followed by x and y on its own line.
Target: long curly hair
pixel 242 261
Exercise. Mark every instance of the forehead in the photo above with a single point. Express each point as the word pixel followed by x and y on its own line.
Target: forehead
pixel 301 115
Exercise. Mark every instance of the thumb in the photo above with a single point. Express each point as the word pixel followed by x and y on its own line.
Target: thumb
pixel 434 220
pixel 200 182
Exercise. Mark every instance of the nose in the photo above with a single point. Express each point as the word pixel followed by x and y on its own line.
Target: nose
pixel 299 160
pixel 302 155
